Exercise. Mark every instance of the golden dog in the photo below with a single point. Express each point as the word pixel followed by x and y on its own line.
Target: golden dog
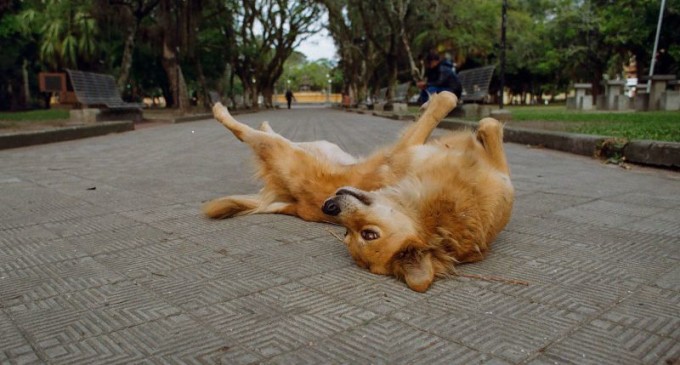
pixel 411 210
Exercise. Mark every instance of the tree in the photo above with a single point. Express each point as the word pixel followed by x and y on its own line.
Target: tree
pixel 170 21
pixel 282 25
pixel 65 31
pixel 134 12
pixel 297 70
pixel 17 50
pixel 383 23
pixel 379 39
pixel 358 56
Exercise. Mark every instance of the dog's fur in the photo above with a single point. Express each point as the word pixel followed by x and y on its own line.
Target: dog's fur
pixel 411 210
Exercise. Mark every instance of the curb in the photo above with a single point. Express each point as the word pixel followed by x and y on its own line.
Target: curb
pixel 653 152
pixel 205 116
pixel 23 139
pixel 192 118
pixel 645 152
pixel 60 134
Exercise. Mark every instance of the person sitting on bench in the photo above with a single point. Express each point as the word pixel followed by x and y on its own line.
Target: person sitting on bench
pixel 440 77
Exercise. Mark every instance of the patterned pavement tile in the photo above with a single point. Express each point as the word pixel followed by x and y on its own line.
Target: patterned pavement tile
pixel 106 259
pixel 604 342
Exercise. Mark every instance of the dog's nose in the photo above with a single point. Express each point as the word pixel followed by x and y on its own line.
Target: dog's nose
pixel 330 207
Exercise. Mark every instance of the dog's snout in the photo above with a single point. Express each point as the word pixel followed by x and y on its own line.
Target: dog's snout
pixel 330 207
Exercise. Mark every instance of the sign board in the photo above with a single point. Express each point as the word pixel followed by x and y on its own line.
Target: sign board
pixel 52 82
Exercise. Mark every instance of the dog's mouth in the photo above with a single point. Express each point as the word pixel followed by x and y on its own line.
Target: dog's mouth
pixel 360 196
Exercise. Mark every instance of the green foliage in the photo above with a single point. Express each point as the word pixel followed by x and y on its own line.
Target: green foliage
pixel 314 75
pixel 64 30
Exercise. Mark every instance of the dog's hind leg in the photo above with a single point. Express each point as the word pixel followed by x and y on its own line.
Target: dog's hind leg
pixel 490 135
pixel 240 130
pixel 273 150
pixel 439 106
pixel 235 205
pixel 265 127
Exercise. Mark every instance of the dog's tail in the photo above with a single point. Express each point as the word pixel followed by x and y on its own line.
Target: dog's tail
pixel 230 206
pixel 235 205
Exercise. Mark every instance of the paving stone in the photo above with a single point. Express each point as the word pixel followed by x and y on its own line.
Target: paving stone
pixel 106 259
pixel 604 342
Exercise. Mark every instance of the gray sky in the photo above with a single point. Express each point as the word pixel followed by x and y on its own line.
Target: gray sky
pixel 319 45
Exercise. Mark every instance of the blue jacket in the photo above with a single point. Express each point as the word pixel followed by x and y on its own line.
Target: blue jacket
pixel 444 77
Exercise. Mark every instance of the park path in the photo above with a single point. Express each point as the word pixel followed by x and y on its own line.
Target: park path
pixel 104 258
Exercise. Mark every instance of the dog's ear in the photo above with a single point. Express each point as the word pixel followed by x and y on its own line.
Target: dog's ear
pixel 416 267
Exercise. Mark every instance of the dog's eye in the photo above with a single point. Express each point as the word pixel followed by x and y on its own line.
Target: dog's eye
pixel 346 232
pixel 369 235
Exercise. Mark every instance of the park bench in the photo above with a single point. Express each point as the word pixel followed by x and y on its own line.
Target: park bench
pixel 99 98
pixel 400 93
pixel 98 90
pixel 476 83
pixel 399 102
pixel 214 97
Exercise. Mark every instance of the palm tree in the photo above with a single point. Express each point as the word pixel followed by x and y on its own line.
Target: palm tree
pixel 65 31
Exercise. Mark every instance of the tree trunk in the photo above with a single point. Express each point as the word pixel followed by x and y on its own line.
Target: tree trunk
pixel 231 94
pixel 205 97
pixel 597 82
pixel 416 74
pixel 247 94
pixel 27 90
pixel 176 82
pixel 170 55
pixel 253 96
pixel 268 95
pixel 182 91
pixel 391 78
pixel 126 62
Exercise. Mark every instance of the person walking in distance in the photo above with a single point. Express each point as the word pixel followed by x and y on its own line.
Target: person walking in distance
pixel 289 97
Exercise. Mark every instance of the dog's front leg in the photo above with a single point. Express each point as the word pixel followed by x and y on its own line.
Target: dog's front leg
pixel 439 107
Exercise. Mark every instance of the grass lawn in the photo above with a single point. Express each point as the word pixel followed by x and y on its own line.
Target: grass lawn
pixel 33 118
pixel 31 115
pixel 657 125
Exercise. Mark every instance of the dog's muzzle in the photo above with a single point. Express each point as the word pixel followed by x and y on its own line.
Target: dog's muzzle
pixel 334 205
pixel 331 207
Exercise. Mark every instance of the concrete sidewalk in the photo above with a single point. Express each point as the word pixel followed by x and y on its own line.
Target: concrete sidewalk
pixel 104 258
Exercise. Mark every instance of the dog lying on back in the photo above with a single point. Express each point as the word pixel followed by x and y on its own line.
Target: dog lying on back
pixel 412 209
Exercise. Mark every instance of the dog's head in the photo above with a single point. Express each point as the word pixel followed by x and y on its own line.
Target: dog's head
pixel 381 236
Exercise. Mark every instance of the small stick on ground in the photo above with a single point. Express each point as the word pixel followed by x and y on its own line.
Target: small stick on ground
pixel 494 278
pixel 335 235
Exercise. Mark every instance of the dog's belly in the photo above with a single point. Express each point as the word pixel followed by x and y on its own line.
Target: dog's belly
pixel 329 151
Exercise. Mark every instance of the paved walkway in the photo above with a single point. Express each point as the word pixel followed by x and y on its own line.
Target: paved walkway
pixel 104 258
